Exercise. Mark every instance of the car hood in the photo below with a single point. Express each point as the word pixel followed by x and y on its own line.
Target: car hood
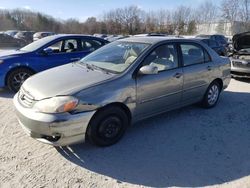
pixel 10 53
pixel 241 41
pixel 63 80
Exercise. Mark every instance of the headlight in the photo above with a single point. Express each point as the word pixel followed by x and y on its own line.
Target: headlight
pixel 57 104
pixel 1 61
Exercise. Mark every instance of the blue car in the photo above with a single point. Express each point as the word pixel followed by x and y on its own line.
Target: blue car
pixel 17 65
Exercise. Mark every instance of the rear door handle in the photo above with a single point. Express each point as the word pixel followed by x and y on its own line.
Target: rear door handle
pixel 75 59
pixel 209 68
pixel 178 75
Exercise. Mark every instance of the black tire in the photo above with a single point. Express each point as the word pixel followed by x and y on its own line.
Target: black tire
pixel 108 126
pixel 212 95
pixel 16 78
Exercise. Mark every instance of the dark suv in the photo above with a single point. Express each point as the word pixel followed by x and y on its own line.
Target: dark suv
pixel 221 39
pixel 216 46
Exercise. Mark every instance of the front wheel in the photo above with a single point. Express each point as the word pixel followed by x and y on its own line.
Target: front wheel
pixel 16 78
pixel 212 95
pixel 107 126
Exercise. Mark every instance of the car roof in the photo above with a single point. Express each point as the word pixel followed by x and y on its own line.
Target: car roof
pixel 45 32
pixel 153 39
pixel 52 37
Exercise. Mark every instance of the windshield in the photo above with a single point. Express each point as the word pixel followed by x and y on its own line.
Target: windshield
pixel 115 57
pixel 37 44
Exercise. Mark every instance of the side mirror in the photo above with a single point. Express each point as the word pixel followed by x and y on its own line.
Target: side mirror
pixel 148 69
pixel 47 51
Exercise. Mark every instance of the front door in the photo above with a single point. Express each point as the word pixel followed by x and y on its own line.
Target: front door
pixel 62 52
pixel 160 92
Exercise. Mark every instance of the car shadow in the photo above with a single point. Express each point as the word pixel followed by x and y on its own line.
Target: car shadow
pixel 5 93
pixel 190 147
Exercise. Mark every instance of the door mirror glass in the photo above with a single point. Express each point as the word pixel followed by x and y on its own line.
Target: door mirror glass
pixel 148 69
pixel 47 51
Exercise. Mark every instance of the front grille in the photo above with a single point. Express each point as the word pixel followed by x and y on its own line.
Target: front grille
pixel 240 64
pixel 25 98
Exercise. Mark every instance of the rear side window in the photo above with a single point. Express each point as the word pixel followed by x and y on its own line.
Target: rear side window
pixel 70 45
pixel 193 54
pixel 90 45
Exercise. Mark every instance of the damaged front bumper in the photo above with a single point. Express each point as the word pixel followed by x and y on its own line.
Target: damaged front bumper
pixel 54 129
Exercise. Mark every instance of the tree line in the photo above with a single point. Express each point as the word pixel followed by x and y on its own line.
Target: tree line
pixel 132 19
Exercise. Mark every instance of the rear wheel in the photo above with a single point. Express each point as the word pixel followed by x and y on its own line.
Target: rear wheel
pixel 212 95
pixel 107 126
pixel 16 78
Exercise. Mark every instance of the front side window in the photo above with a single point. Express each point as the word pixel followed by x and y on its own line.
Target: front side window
pixel 192 54
pixel 56 47
pixel 115 57
pixel 163 57
pixel 64 46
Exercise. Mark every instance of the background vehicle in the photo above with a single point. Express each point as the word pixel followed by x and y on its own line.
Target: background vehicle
pixel 6 41
pixel 221 39
pixel 17 65
pixel 11 32
pixel 220 49
pixel 151 34
pixel 26 36
pixel 103 36
pixel 240 66
pixel 122 82
pixel 112 38
pixel 40 35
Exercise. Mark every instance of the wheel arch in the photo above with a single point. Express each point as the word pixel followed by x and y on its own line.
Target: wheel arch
pixel 117 104
pixel 16 68
pixel 219 81
pixel 120 105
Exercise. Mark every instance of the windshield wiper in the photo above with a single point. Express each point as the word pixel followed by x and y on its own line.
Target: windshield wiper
pixel 98 68
pixel 93 67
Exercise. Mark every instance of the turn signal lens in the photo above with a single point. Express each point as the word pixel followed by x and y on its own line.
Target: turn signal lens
pixel 69 106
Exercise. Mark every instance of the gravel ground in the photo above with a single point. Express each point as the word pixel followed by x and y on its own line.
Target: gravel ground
pixel 190 147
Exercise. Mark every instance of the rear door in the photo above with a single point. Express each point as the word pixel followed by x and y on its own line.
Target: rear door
pixel 197 72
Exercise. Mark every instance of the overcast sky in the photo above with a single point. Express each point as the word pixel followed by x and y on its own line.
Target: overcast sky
pixel 82 9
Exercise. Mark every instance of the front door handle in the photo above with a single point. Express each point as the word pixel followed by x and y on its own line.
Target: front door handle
pixel 209 68
pixel 75 59
pixel 178 75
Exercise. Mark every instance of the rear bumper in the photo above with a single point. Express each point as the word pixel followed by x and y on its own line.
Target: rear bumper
pixel 54 129
pixel 238 74
pixel 242 71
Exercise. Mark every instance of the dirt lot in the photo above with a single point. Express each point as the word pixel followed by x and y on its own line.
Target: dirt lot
pixel 191 147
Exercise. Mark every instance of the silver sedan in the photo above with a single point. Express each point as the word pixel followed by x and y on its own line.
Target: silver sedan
pixel 123 82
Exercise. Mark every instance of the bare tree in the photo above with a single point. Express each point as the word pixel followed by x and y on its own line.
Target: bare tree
pixel 244 10
pixel 230 10
pixel 180 18
pixel 131 19
pixel 207 12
